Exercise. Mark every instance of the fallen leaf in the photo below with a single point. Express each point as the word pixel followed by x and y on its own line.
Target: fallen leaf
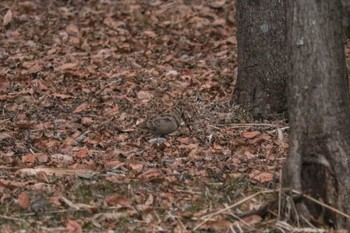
pixel 261 138
pixel 82 107
pixel 150 174
pixel 28 158
pixel 62 158
pixel 249 155
pixel 87 121
pixel 56 171
pixel 250 135
pixel 23 200
pixel 83 153
pixel 4 136
pixel 35 68
pixel 62 96
pixel 251 220
pixel 217 4
pixel 7 18
pixel 24 124
pixel 117 200
pixel 262 176
pixel 4 84
pixel 73 226
pixel 42 158
pixel 136 166
pixel 67 66
pixel 184 140
pixel 218 225
pixel 144 95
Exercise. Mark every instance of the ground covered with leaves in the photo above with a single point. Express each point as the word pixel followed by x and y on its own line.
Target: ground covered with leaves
pixel 75 79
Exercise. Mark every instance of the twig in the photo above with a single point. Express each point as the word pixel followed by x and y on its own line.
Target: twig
pixel 231 206
pixel 282 129
pixel 279 200
pixel 12 218
pixel 322 204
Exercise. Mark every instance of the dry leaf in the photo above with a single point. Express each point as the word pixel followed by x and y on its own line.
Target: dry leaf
pixel 73 226
pixel 56 171
pixel 82 107
pixel 218 225
pixel 62 96
pixel 7 18
pixel 136 166
pixel 35 68
pixel 67 66
pixel 83 153
pixel 262 177
pixel 42 158
pixel 4 136
pixel 29 158
pixel 251 220
pixel 118 200
pixel 217 4
pixel 250 135
pixel 23 200
pixel 144 95
pixel 261 138
pixel 4 84
pixel 150 174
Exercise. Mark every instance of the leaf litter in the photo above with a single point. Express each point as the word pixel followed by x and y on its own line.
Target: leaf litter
pixel 77 76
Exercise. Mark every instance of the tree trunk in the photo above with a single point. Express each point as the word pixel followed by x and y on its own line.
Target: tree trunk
pixel 318 162
pixel 262 71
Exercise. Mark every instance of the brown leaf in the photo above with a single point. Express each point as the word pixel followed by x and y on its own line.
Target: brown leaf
pixel 184 140
pixel 150 174
pixel 7 18
pixel 23 200
pixel 39 84
pixel 261 138
pixel 251 220
pixel 24 124
pixel 29 158
pixel 4 84
pixel 56 171
pixel 67 66
pixel 217 4
pixel 262 176
pixel 83 153
pixel 73 226
pixel 118 200
pixel 113 163
pixel 82 107
pixel 250 135
pixel 249 155
pixel 35 68
pixel 87 121
pixel 218 225
pixel 4 136
pixel 42 158
pixel 52 51
pixel 144 95
pixel 62 96
pixel 62 158
pixel 11 184
pixel 136 166
pixel 42 176
pixel 72 30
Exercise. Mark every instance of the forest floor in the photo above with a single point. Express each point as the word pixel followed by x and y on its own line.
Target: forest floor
pixel 75 79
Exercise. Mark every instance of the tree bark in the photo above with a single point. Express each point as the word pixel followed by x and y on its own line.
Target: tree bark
pixel 262 71
pixel 318 160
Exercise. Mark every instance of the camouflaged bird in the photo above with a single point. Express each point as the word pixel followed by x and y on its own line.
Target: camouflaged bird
pixel 162 124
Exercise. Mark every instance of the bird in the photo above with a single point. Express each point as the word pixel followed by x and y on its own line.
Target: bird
pixel 162 124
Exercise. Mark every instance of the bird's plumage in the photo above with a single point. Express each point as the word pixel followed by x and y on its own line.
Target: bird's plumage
pixel 162 124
